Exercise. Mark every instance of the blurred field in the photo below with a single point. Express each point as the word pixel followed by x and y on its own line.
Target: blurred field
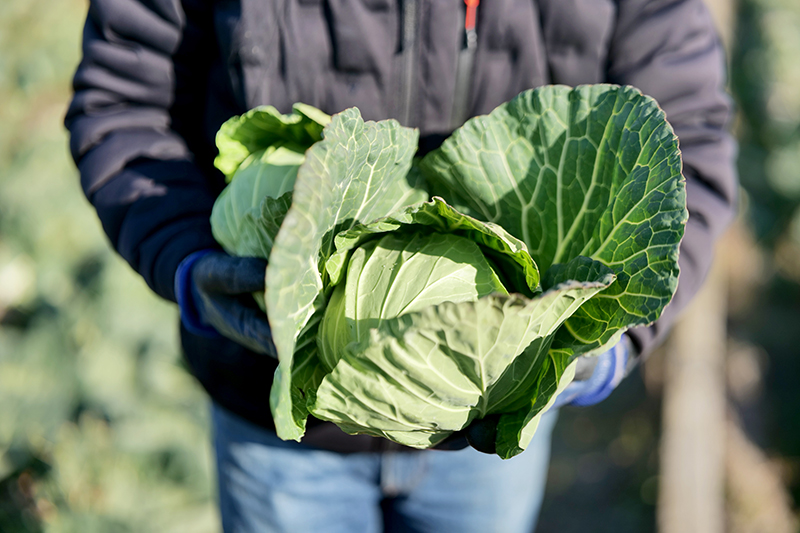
pixel 102 430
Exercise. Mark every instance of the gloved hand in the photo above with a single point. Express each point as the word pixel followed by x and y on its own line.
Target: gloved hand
pixel 480 434
pixel 215 296
pixel 595 378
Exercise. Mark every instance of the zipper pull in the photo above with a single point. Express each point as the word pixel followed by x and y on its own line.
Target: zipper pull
pixel 464 66
pixel 469 22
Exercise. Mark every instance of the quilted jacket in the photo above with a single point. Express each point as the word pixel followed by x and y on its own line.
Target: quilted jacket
pixel 158 77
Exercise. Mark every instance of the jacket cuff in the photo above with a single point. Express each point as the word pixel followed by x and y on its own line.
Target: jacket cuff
pixel 156 213
pixel 182 239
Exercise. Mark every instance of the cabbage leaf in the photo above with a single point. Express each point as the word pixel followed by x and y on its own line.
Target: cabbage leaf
pixel 593 171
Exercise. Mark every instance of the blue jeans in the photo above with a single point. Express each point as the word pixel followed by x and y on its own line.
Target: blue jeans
pixel 267 485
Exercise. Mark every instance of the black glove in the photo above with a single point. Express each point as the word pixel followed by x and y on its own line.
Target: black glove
pixel 215 296
pixel 480 434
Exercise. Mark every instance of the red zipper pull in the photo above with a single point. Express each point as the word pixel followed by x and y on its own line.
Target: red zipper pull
pixel 472 10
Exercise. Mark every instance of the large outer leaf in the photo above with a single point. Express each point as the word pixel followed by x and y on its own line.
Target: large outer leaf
pixel 358 173
pixel 591 171
pixel 263 127
pixel 436 215
pixel 423 375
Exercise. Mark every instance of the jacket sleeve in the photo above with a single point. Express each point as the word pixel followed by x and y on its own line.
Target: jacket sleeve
pixel 142 61
pixel 670 50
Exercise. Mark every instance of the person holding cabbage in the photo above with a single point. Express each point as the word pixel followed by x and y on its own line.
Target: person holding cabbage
pixel 418 293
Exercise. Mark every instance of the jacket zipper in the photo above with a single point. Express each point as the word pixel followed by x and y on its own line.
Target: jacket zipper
pixel 410 30
pixel 464 66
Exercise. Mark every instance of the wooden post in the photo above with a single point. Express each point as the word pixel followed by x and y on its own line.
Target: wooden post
pixel 691 488
pixel 692 481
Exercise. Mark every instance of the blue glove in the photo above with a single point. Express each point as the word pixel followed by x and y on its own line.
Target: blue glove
pixel 593 385
pixel 215 295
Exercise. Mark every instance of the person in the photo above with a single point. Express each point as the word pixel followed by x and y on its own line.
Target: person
pixel 158 78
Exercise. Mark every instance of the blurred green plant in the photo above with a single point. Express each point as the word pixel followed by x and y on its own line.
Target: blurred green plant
pixel 101 429
pixel 765 77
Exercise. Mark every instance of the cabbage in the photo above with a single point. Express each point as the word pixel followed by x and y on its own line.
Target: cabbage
pixel 409 298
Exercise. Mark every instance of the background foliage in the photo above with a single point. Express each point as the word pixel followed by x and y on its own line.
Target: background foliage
pixel 101 429
pixel 766 82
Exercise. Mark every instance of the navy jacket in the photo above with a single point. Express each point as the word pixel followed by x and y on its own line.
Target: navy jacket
pixel 158 78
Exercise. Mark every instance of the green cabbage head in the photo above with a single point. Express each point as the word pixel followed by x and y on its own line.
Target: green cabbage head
pixel 410 297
